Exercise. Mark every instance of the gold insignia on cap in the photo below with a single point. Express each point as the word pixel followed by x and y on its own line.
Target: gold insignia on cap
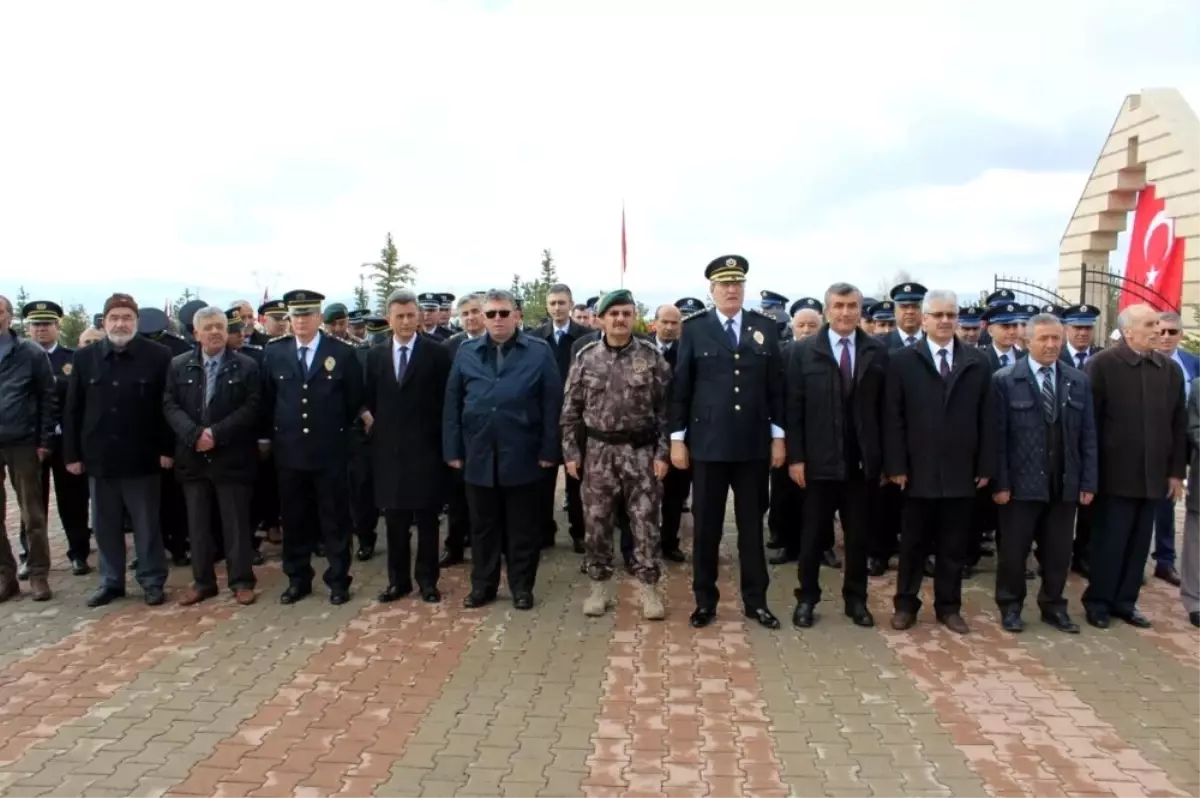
pixel 41 306
pixel 301 295
pixel 66 369
pixel 758 337
pixel 330 363
pixel 731 262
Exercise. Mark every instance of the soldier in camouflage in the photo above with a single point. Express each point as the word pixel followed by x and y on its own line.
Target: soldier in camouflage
pixel 616 395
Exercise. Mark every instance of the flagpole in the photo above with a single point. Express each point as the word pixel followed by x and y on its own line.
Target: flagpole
pixel 623 250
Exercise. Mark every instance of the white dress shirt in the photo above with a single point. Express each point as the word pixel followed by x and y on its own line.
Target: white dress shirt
pixel 1035 368
pixel 312 350
pixel 396 346
pixel 934 348
pixel 1012 355
pixel 835 343
pixel 560 332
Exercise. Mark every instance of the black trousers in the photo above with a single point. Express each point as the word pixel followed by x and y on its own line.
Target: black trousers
pixel 504 525
pixel 549 485
pixel 1020 524
pixel 231 528
pixel 933 526
pixel 851 500
pixel 784 519
pixel 1084 522
pixel 399 547
pixel 884 538
pixel 316 508
pixel 1121 536
pixel 265 502
pixel 458 514
pixel 986 520
pixel 711 482
pixel 173 516
pixel 675 492
pixel 71 499
pixel 363 511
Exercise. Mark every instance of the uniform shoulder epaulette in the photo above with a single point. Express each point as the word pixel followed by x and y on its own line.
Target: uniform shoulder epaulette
pixel 697 314
pixel 248 345
pixel 586 347
pixel 758 312
pixel 277 338
pixel 174 335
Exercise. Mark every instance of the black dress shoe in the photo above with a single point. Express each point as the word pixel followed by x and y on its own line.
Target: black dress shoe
pixel 133 564
pixel 365 551
pixel 876 566
pixel 1194 617
pixel 431 595
pixel 860 615
pixel 393 593
pixel 955 623
pixel 774 543
pixel 80 567
pixel 181 560
pixel 474 600
pixel 1099 620
pixel 294 593
pixel 1011 621
pixel 319 550
pixel 154 596
pixel 764 617
pixel 339 597
pixel 1135 618
pixel 985 551
pixel 105 595
pixel 523 601
pixel 450 557
pixel 782 558
pixel 1061 621
pixel 577 545
pixel 1080 566
pixel 802 616
pixel 929 568
pixel 702 616
pixel 830 559
pixel 1168 574
pixel 674 555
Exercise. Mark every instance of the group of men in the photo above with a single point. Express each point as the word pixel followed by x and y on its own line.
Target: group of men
pixel 920 430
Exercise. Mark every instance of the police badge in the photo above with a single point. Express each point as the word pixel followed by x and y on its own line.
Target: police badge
pixel 758 337
pixel 66 369
pixel 330 363
pixel 640 365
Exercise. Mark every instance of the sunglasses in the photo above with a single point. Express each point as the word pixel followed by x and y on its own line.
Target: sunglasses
pixel 1168 331
pixel 491 314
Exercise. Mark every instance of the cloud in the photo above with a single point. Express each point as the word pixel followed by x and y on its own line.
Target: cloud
pixel 260 144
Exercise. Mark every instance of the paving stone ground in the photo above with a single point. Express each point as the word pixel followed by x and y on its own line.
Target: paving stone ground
pixel 414 699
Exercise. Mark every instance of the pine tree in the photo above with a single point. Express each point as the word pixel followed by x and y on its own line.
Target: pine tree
pixel 22 299
pixel 362 297
pixel 184 298
pixel 72 326
pixel 388 273
pixel 515 288
pixel 549 275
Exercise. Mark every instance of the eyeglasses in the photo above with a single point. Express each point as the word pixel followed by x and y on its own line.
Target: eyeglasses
pixel 491 314
pixel 943 315
pixel 1169 331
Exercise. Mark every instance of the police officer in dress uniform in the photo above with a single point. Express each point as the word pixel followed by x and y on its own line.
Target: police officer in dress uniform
pixel 186 313
pixel 616 396
pixel 906 298
pixel 726 424
pixel 154 324
pixel 1080 321
pixel 41 319
pixel 1001 296
pixel 970 324
pixel 312 393
pixel 431 307
pixel 444 310
pixel 883 317
pixel 357 323
pixel 775 305
pixel 868 324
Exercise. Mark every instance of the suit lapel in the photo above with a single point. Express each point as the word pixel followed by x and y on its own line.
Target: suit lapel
pixel 862 355
pixel 414 355
pixel 294 354
pixel 719 331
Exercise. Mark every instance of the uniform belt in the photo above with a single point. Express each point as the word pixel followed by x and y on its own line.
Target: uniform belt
pixel 637 439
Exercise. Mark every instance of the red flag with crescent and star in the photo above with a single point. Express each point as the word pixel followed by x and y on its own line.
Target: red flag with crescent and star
pixel 1154 269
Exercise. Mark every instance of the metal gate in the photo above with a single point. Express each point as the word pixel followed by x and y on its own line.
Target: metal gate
pixel 1028 292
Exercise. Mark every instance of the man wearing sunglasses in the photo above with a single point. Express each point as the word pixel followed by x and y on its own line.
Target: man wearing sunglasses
pixel 500 428
pixel 1170 334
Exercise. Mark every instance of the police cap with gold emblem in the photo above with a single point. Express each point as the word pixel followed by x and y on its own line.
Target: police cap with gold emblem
pixel 727 269
pixel 303 303
pixel 429 301
pixel 41 312
pixel 376 324
pixel 882 311
pixel 273 307
pixel 233 320
pixel 806 303
pixel 908 293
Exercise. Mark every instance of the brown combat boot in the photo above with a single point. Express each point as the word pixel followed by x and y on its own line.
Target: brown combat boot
pixel 39 588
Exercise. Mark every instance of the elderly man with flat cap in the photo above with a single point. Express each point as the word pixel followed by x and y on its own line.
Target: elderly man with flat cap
pixel 726 424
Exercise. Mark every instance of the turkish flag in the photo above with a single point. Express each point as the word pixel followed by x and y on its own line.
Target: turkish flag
pixel 1154 270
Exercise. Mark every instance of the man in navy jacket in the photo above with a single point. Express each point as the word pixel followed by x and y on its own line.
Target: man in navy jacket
pixel 500 427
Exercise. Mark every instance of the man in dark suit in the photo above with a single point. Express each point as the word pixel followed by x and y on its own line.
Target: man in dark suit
pixel 1170 334
pixel 939 448
pixel 500 427
pixel 1141 428
pixel 211 401
pixel 835 384
pixel 41 320
pixel 431 308
pixel 1080 321
pixel 1046 467
pixel 312 392
pixel 114 430
pixel 668 320
pixel 458 515
pixel 726 424
pixel 405 393
pixel 561 334
pixel 445 308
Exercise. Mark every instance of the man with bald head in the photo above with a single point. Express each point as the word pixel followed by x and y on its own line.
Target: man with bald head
pixel 668 323
pixel 1140 427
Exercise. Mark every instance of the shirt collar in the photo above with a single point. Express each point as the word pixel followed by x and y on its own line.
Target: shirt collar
pixel 1035 367
pixel 206 358
pixel 735 318
pixel 935 348
pixel 919 334
pixel 835 338
pixel 412 342
pixel 563 329
pixel 312 345
pixel 53 347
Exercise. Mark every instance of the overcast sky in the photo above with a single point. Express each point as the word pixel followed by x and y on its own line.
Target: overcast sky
pixel 246 145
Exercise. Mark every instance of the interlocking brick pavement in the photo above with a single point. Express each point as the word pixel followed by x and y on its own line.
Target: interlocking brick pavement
pixel 412 699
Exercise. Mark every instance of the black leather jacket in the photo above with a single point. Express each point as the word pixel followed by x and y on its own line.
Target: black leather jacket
pixel 28 406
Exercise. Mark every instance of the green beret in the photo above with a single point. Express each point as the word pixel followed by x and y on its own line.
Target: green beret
pixel 335 311
pixel 621 296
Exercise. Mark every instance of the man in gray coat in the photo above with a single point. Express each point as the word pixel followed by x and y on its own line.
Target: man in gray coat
pixel 1189 589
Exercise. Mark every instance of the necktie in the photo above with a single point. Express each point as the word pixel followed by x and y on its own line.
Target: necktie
pixel 912 339
pixel 210 381
pixel 730 332
pixel 1004 360
pixel 304 358
pixel 844 365
pixel 1079 358
pixel 1049 405
pixel 557 337
pixel 401 363
pixel 944 366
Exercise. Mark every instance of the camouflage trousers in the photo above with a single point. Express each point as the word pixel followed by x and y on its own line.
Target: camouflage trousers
pixel 610 472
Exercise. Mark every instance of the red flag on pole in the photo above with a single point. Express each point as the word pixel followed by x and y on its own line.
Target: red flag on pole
pixel 1154 269
pixel 265 297
pixel 624 251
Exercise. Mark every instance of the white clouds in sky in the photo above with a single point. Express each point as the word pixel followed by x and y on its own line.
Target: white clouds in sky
pixel 247 143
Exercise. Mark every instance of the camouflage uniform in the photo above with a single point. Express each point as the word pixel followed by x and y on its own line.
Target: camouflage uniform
pixel 618 398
